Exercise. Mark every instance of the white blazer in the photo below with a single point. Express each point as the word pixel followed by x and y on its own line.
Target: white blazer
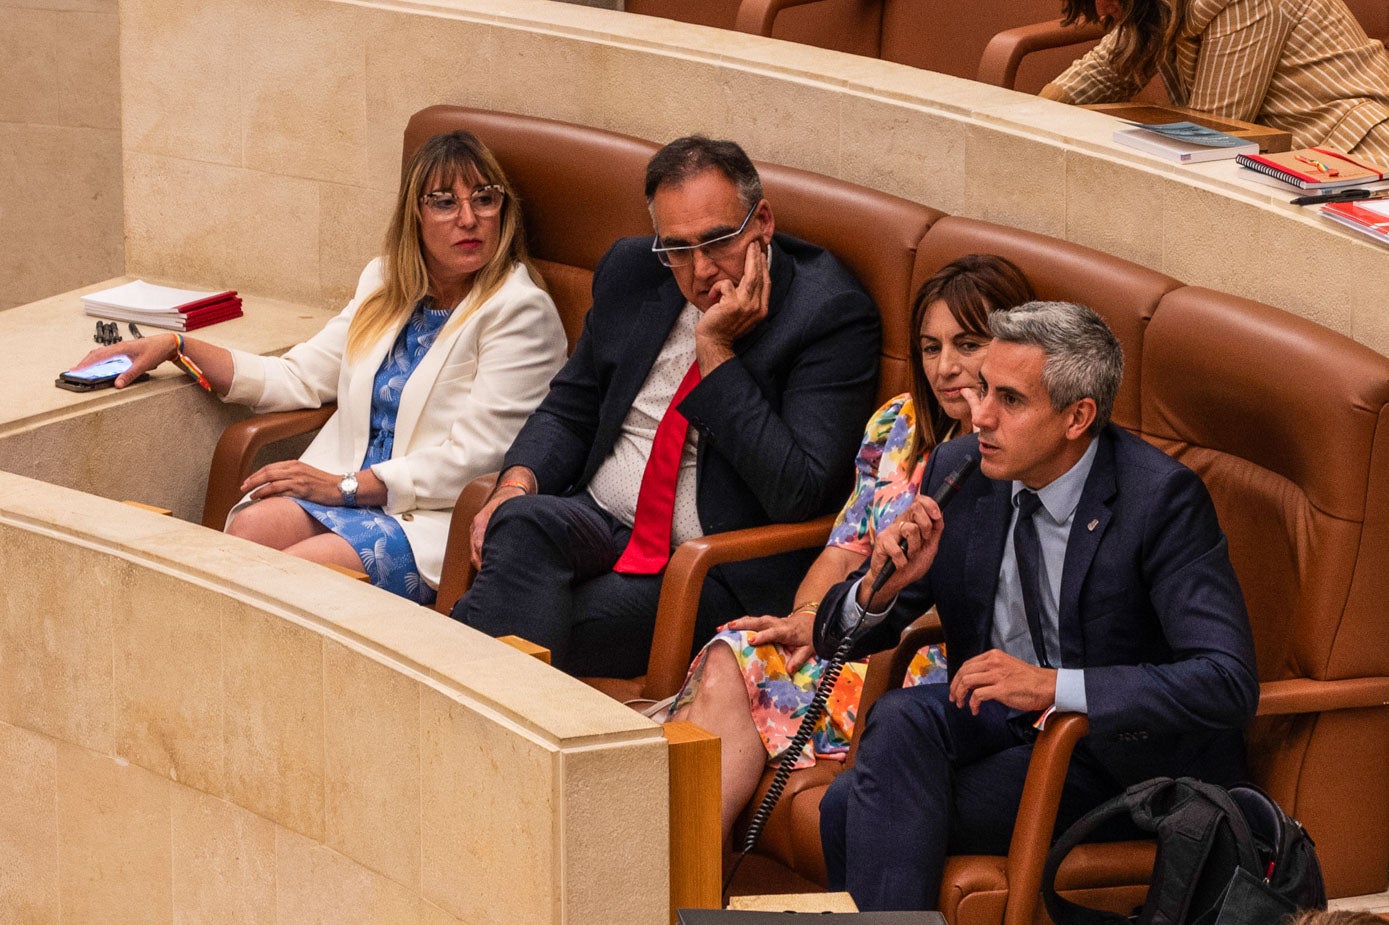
pixel 459 410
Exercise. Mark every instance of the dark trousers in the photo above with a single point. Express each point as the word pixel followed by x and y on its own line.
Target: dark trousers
pixel 547 576
pixel 931 779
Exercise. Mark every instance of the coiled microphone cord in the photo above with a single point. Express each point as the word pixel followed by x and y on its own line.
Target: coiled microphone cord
pixel 828 677
pixel 947 490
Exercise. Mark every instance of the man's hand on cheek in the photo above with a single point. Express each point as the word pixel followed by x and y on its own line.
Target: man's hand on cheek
pixel 738 308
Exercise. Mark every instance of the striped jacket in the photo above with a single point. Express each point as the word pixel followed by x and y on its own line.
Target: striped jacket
pixel 1303 66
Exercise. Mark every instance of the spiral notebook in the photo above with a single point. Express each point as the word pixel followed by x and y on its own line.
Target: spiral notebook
pixel 1313 168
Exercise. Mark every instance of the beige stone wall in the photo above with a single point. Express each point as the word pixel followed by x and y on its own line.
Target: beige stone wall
pixel 60 148
pixel 176 746
pixel 282 177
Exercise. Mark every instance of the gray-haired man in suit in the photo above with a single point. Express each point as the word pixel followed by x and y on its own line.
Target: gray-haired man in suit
pixel 1085 570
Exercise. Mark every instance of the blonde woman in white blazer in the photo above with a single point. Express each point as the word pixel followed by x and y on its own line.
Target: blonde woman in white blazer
pixel 445 349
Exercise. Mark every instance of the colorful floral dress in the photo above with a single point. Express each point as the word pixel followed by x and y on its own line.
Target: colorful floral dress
pixel 885 485
pixel 378 539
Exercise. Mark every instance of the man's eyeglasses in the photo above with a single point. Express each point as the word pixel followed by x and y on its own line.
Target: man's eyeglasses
pixel 720 248
pixel 485 201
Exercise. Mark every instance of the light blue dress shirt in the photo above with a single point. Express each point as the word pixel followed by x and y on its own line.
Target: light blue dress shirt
pixel 1053 519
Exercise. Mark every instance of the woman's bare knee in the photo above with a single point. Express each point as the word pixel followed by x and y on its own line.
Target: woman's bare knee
pixel 721 687
pixel 327 548
pixel 274 522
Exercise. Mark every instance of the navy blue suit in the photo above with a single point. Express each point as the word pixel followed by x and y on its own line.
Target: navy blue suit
pixel 778 425
pixel 1149 607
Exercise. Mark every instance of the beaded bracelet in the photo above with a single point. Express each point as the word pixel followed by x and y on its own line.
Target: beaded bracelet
pixel 186 363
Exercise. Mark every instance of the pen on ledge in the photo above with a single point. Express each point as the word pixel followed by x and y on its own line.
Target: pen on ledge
pixel 1345 195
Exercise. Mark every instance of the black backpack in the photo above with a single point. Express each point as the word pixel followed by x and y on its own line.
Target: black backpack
pixel 1223 856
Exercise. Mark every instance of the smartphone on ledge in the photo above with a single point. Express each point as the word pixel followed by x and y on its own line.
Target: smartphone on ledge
pixel 97 376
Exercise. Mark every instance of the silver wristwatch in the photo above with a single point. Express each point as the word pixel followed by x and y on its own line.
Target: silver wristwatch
pixel 348 487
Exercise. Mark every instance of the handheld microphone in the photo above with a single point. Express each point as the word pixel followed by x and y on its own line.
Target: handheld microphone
pixel 944 494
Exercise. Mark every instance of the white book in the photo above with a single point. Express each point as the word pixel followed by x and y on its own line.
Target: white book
pixel 1178 152
pixel 140 296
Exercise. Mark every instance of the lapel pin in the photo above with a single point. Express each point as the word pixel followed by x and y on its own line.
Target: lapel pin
pixel 1092 525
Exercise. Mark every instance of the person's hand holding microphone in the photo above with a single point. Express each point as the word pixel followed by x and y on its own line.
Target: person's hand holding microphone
pixel 904 552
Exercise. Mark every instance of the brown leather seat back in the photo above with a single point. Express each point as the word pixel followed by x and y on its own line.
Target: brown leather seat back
pixel 948 36
pixel 580 189
pixel 874 234
pixel 843 25
pixel 1288 424
pixel 1282 419
pixel 1125 294
pixel 1373 16
pixel 719 13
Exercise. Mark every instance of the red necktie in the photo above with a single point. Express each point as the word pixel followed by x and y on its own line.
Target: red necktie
pixel 649 548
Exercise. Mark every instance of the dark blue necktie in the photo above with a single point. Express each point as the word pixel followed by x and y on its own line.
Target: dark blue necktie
pixel 1027 549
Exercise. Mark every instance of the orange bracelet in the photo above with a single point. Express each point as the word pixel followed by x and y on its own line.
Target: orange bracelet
pixel 513 483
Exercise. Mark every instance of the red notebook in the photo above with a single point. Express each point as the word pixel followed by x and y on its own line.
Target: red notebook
pixel 1370 217
pixel 210 314
pixel 215 299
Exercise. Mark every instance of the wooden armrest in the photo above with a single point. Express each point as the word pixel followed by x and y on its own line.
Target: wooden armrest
pixel 236 453
pixel 1305 695
pixel 521 644
pixel 457 574
pixel 1051 755
pixel 684 577
pixel 888 668
pixel 756 17
pixel 1005 51
pixel 1041 797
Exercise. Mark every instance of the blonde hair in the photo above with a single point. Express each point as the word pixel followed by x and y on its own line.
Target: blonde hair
pixel 438 163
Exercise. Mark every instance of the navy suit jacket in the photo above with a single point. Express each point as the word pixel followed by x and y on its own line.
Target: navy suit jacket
pixel 778 424
pixel 1150 607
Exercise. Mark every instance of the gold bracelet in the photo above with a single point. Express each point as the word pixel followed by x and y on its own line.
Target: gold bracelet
pixel 809 607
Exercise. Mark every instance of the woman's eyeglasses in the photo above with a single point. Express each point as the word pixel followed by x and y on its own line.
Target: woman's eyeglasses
pixel 484 201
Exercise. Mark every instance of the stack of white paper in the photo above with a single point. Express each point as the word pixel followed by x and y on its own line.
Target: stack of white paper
pixel 162 306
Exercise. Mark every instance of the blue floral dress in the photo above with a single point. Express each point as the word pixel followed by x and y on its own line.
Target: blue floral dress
pixel 378 539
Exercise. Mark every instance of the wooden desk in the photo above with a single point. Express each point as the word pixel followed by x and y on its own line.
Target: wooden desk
pixel 1270 140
